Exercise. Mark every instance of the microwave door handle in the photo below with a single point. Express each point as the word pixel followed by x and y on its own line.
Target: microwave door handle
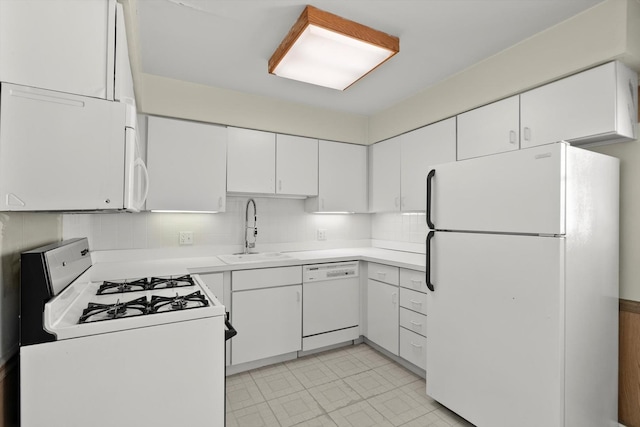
pixel 430 176
pixel 145 172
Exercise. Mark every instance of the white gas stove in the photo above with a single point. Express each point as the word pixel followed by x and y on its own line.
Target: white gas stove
pixel 103 350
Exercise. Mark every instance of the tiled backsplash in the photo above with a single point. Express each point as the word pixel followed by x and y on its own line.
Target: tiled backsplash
pixel 410 228
pixel 279 221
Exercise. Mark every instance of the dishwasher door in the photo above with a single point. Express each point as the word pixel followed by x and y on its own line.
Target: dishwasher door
pixel 331 308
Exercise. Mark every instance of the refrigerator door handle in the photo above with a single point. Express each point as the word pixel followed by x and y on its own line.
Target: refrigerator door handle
pixel 430 176
pixel 430 236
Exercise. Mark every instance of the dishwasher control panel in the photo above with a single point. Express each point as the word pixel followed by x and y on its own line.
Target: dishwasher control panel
pixel 332 271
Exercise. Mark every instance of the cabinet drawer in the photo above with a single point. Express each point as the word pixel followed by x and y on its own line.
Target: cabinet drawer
pixel 413 348
pixel 413 321
pixel 416 301
pixel 265 278
pixel 384 273
pixel 413 279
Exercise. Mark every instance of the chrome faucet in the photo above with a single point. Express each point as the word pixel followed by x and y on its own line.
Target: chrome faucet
pixel 250 245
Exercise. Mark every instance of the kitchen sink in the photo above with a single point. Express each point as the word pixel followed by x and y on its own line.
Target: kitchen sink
pixel 253 257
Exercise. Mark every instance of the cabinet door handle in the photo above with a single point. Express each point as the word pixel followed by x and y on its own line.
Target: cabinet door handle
pixel 402 201
pixel 416 345
pixel 322 203
pixel 279 184
pixel 527 134
pixel 416 302
pixel 512 136
pixel 220 202
pixel 394 298
pixel 298 296
pixel 396 201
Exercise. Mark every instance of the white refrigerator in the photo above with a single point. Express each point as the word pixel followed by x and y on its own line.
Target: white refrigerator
pixel 522 264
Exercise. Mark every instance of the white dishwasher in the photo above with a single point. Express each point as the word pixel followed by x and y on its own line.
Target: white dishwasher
pixel 330 304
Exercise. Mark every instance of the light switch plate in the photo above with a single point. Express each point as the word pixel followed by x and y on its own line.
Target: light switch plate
pixel 322 234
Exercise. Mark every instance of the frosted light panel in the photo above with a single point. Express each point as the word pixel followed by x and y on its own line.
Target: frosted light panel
pixel 326 58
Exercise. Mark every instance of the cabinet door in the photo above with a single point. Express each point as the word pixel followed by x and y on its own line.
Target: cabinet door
pixel 268 321
pixel 296 165
pixel 420 148
pixel 342 178
pixel 491 129
pixel 385 176
pixel 60 151
pixel 187 165
pixel 383 315
pixel 251 161
pixel 593 106
pixel 64 45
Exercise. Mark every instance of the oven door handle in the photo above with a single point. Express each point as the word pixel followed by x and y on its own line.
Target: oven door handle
pixel 230 332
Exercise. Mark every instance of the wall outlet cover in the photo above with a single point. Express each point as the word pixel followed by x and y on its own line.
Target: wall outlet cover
pixel 322 234
pixel 186 238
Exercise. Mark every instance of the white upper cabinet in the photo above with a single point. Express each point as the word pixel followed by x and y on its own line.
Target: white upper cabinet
pixel 64 45
pixel 342 179
pixel 490 129
pixel 399 166
pixel 251 161
pixel 296 165
pixel 596 106
pixel 187 165
pixel 385 176
pixel 430 145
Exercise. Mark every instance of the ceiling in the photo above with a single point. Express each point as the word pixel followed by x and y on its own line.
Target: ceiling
pixel 227 43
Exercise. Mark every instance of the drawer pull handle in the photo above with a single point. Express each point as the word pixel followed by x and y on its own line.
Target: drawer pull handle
pixel 416 345
pixel 416 323
pixel 416 302
pixel 416 282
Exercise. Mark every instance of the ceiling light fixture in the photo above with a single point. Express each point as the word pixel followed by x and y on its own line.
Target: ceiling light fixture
pixel 326 50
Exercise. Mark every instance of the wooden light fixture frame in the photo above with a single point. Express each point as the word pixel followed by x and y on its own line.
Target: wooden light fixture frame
pixel 320 18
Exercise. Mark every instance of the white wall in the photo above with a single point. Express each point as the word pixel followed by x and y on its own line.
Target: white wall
pixel 629 155
pixel 595 36
pixel 19 232
pixel 282 225
pixel 174 98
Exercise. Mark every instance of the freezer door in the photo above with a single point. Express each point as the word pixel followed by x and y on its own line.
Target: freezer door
pixel 516 192
pixel 494 330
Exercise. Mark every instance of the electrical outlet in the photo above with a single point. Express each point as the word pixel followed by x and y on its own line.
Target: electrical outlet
pixel 322 234
pixel 186 238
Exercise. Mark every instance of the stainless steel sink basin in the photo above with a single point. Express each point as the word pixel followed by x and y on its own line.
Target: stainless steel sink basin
pixel 254 257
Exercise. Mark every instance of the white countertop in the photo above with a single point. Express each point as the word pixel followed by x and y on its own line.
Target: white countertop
pixel 131 266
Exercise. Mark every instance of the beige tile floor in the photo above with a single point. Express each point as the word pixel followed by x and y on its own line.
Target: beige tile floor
pixel 352 386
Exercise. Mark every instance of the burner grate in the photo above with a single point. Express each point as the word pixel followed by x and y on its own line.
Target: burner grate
pixel 170 282
pixel 108 287
pixel 98 312
pixel 161 304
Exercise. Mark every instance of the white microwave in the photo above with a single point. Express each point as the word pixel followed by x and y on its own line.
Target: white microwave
pixel 63 152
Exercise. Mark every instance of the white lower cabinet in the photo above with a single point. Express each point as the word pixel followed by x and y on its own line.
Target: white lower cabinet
pixel 413 348
pixel 267 313
pixel 382 315
pixel 268 321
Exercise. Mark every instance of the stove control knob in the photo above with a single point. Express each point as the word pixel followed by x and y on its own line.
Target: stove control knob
pixel 108 201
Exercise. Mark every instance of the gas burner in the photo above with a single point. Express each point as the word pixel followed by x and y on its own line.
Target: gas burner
pixel 97 312
pixel 123 286
pixel 170 282
pixel 161 304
